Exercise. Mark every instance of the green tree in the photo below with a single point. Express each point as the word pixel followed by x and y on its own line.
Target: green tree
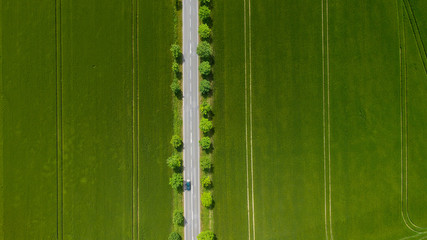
pixel 174 236
pixel 176 181
pixel 176 141
pixel 205 142
pixel 205 68
pixel 205 2
pixel 174 161
pixel 205 107
pixel 206 199
pixel 204 13
pixel 206 182
pixel 205 125
pixel 175 67
pixel 175 50
pixel 205 87
pixel 206 235
pixel 204 31
pixel 204 50
pixel 176 89
pixel 205 163
pixel 178 218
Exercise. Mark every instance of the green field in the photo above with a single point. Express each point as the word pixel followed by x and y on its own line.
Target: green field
pixel 331 113
pixel 86 118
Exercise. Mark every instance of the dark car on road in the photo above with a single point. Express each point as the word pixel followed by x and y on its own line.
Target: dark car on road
pixel 188 185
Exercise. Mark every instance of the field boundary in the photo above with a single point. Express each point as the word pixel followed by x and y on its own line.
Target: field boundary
pixel 326 122
pixel 404 123
pixel 59 133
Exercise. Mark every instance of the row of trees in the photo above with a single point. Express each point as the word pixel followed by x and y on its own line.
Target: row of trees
pixel 205 53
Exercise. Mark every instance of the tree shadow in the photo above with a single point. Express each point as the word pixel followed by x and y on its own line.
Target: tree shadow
pixel 178 5
pixel 210 133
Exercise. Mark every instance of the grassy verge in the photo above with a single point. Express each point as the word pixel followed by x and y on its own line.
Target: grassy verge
pixel 178 201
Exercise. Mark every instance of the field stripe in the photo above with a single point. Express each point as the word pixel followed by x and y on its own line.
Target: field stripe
pixel 135 125
pixel 246 122
pixel 59 140
pixel 329 122
pixel 1 131
pixel 325 172
pixel 251 120
pixel 326 122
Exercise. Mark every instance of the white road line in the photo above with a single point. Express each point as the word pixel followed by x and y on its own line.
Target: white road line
pixel 190 45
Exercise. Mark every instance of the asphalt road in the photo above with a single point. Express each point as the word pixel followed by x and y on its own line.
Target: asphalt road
pixel 191 118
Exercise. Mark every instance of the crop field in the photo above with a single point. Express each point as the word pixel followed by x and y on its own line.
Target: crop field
pixel 86 118
pixel 335 120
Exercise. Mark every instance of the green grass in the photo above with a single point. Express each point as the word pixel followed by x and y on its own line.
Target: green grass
pixel 28 185
pixel 229 167
pixel 287 119
pixel 156 118
pixel 97 119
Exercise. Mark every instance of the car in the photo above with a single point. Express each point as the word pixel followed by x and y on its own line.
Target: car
pixel 188 185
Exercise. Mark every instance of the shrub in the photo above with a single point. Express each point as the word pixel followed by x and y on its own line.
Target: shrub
pixel 205 87
pixel 176 181
pixel 206 182
pixel 174 236
pixel 176 141
pixel 205 107
pixel 176 89
pixel 207 199
pixel 205 163
pixel 175 67
pixel 175 50
pixel 206 235
pixel 174 161
pixel 205 142
pixel 205 125
pixel 204 31
pixel 204 50
pixel 204 13
pixel 178 218
pixel 205 68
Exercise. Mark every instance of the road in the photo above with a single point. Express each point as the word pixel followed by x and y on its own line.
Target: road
pixel 191 133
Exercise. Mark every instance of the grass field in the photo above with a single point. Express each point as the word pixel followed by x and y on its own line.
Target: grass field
pixel 229 158
pixel 328 121
pixel 97 119
pixel 28 185
pixel 156 118
pixel 416 81
pixel 77 77
pixel 287 119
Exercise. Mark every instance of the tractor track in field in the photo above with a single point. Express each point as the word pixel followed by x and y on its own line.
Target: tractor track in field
pixel 403 119
pixel 135 122
pixel 59 132
pixel 326 122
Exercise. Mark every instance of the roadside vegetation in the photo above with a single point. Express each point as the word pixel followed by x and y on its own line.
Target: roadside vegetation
pixel 176 180
pixel 205 53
